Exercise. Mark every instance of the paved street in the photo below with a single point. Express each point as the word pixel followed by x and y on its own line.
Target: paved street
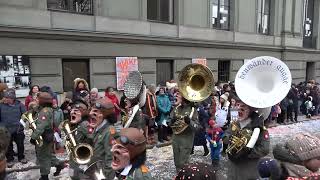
pixel 160 160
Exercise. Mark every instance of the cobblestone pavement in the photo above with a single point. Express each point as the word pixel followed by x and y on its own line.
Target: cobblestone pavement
pixel 160 160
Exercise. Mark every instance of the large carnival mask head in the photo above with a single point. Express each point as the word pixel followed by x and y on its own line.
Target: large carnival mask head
pixel 130 144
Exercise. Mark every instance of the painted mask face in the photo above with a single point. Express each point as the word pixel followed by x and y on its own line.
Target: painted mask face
pixel 120 156
pixel 96 117
pixel 243 110
pixel 75 115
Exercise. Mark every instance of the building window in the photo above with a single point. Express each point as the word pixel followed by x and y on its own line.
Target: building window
pixel 263 16
pixel 72 69
pixel 74 6
pixel 223 71
pixel 221 14
pixel 308 9
pixel 164 71
pixel 160 10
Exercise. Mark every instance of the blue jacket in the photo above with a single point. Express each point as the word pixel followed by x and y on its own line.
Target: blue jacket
pixel 10 116
pixel 164 107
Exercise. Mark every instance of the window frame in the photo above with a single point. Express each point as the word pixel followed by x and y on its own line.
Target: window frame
pixel 219 27
pixel 225 72
pixel 71 9
pixel 308 40
pixel 158 20
pixel 259 16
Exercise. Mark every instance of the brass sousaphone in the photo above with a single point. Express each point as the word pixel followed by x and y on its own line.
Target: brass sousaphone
pixel 195 83
pixel 260 83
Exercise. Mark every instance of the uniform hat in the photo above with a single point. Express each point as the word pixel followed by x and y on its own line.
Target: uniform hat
pixel 134 140
pixel 305 146
pixel 105 106
pixel 9 93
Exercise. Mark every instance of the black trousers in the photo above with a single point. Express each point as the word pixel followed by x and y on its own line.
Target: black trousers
pixel 18 138
pixel 291 110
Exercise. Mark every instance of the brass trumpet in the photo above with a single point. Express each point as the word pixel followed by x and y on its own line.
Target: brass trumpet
pixel 27 117
pixel 82 152
pixel 238 140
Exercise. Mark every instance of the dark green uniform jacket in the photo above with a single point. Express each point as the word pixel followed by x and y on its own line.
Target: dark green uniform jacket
pixel 102 148
pixel 182 143
pixel 243 165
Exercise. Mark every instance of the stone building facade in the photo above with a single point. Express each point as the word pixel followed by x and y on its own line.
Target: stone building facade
pixel 81 38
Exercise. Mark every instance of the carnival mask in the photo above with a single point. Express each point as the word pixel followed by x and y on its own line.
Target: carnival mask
pixel 96 117
pixel 120 156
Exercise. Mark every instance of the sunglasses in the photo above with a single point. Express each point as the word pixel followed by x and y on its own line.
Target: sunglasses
pixel 125 141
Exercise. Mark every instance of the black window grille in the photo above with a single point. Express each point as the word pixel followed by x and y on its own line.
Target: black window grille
pixel 221 14
pixel 73 6
pixel 308 11
pixel 160 10
pixel 224 71
pixel 263 16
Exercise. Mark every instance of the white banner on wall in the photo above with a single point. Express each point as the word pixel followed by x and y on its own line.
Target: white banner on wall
pixel 124 65
pixel 15 72
pixel 202 61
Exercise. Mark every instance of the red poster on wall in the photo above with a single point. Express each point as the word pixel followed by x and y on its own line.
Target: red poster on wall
pixel 202 61
pixel 124 65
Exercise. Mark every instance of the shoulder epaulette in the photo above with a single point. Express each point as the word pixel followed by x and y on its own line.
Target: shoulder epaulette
pixel 144 168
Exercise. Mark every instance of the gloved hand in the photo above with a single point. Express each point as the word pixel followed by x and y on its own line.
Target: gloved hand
pixel 214 143
pixel 186 119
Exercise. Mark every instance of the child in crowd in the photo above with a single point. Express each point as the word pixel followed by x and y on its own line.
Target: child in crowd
pixel 309 107
pixel 214 136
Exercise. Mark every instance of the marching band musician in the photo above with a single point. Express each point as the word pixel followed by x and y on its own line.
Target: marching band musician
pixel 45 129
pixel 102 118
pixel 79 127
pixel 243 164
pixel 129 155
pixel 182 139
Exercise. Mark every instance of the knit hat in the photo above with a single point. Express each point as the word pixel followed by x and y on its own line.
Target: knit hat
pixel 225 96
pixel 305 146
pixel 9 93
pixel 268 167
pixel 196 171
pixel 137 144
pixel 212 123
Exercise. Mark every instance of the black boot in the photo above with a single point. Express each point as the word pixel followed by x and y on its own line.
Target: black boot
pixel 165 133
pixel 206 150
pixel 44 177
pixel 58 169
pixel 160 134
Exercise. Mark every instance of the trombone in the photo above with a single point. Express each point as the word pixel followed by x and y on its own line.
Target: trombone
pixel 27 117
pixel 82 152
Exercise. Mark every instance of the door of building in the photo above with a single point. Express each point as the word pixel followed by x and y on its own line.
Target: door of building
pixel 72 69
pixel 310 71
pixel 164 71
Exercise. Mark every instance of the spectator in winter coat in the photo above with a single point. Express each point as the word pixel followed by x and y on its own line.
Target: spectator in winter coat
pixel 200 136
pixel 10 115
pixel 214 136
pixel 33 93
pixel 164 107
pixel 297 158
pixel 293 104
pixel 94 95
pixel 80 85
pixel 284 107
pixel 110 94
